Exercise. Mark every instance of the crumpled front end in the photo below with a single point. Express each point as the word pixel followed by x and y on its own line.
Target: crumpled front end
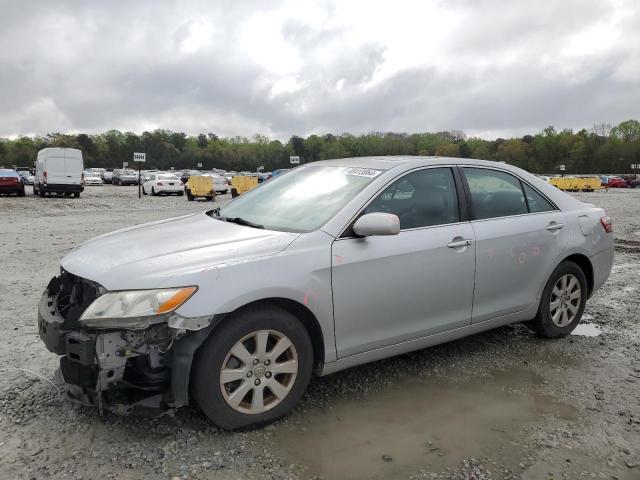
pixel 120 370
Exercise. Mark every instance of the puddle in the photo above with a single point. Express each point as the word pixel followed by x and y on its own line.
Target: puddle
pixel 587 330
pixel 420 424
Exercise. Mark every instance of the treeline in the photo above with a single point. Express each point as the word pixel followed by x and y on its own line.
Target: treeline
pixel 601 149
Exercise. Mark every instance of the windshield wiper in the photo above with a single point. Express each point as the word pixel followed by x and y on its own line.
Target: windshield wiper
pixel 241 221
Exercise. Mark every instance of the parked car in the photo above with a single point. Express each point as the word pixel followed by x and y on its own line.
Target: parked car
pixel 279 171
pixel 237 307
pixel 158 183
pixel 27 177
pixel 11 182
pixel 124 177
pixel 185 174
pixel 92 178
pixel 220 183
pixel 617 182
pixel 60 171
pixel 107 175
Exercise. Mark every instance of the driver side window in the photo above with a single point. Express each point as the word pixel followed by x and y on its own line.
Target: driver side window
pixel 420 199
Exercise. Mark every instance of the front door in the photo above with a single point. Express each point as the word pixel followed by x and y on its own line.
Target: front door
pixel 391 289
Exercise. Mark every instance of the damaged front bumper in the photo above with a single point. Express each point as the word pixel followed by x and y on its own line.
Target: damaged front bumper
pixel 143 372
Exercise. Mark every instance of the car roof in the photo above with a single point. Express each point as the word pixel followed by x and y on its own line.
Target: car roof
pixel 387 163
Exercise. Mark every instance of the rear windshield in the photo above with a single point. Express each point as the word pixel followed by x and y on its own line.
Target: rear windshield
pixel 167 177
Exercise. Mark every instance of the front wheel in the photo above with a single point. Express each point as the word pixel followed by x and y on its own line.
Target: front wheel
pixel 153 191
pixel 253 369
pixel 562 303
pixel 144 192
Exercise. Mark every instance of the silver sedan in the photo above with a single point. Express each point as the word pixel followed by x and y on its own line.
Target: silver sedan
pixel 334 264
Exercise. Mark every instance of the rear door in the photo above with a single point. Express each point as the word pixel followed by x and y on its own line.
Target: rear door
pixel 73 167
pixel 519 236
pixel 55 168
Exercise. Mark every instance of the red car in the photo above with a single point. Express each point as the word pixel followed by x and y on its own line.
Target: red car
pixel 11 182
pixel 616 182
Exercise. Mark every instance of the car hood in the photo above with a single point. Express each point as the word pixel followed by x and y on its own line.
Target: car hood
pixel 166 252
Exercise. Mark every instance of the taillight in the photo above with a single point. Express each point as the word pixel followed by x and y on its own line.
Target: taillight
pixel 82 178
pixel 607 224
pixel 44 174
pixel 159 184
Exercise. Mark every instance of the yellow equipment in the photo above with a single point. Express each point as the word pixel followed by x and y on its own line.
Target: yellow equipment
pixel 199 186
pixel 576 184
pixel 241 184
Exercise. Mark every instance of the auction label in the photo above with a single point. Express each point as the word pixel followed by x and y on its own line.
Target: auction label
pixel 364 172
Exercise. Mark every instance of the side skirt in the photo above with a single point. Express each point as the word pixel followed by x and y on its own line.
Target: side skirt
pixel 419 343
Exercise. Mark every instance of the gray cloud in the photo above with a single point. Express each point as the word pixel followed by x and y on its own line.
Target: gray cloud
pixel 238 68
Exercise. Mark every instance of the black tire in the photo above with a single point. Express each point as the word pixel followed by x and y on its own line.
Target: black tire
pixel 153 192
pixel 21 193
pixel 211 356
pixel 41 193
pixel 35 190
pixel 543 323
pixel 76 194
pixel 211 198
pixel 144 192
pixel 180 194
pixel 234 193
pixel 189 196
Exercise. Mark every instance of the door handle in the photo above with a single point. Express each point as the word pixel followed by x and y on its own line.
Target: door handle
pixel 554 226
pixel 460 243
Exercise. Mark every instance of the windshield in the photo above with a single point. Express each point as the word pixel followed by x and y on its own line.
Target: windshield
pixel 302 200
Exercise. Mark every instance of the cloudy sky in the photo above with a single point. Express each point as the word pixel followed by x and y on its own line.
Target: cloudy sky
pixel 490 68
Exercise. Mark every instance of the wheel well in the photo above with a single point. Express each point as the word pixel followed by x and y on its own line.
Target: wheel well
pixel 585 264
pixel 306 317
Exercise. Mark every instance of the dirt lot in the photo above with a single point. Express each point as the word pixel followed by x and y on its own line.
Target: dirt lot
pixel 503 404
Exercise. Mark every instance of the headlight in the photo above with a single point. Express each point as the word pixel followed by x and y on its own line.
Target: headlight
pixel 134 308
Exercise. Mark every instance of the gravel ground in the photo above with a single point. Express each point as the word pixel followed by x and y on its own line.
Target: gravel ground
pixel 503 404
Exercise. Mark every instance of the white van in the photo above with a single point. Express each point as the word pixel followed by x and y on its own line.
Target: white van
pixel 59 170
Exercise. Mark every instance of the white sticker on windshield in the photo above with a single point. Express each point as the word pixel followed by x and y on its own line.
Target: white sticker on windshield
pixel 364 172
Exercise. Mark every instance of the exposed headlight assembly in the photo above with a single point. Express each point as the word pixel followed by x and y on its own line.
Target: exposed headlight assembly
pixel 134 308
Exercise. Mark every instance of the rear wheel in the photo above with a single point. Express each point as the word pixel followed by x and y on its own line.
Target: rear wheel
pixel 76 194
pixel 153 191
pixel 563 301
pixel 234 193
pixel 180 194
pixel 189 196
pixel 253 369
pixel 144 192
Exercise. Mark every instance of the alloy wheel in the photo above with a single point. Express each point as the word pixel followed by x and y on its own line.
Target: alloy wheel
pixel 565 300
pixel 259 372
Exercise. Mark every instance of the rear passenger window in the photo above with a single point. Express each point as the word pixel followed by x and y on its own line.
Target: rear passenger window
pixel 494 194
pixel 420 199
pixel 537 203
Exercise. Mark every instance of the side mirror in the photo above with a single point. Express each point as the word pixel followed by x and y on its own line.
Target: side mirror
pixel 377 223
